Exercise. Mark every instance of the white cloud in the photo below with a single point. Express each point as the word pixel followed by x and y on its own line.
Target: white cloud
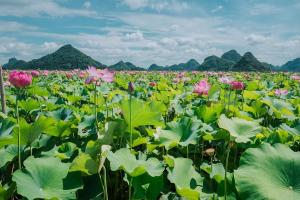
pixel 12 26
pixel 255 39
pixel 172 5
pixel 264 9
pixel 136 36
pixel 136 4
pixel 217 9
pixel 87 4
pixel 33 8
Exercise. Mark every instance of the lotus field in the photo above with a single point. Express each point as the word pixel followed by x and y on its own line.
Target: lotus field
pixel 97 134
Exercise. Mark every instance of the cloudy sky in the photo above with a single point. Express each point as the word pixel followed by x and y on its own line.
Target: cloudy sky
pixel 151 31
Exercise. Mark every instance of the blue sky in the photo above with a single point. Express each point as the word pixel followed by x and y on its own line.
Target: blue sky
pixel 151 31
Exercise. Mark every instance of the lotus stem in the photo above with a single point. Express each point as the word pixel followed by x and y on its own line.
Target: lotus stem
pixel 105 182
pixel 130 119
pixel 228 103
pixel 105 98
pixel 2 92
pixel 226 168
pixel 129 189
pixel 19 131
pixel 95 107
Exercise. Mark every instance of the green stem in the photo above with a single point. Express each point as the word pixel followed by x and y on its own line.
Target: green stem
pixel 130 125
pixel 129 190
pixel 106 108
pixel 187 151
pixel 228 102
pixel 211 169
pixel 19 131
pixel 226 168
pixel 105 183
pixel 95 107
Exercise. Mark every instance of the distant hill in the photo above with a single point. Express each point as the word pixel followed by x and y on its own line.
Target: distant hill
pixel 14 63
pixel 250 63
pixel 214 63
pixel 125 66
pixel 65 58
pixel 191 65
pixel 232 55
pixel 155 67
pixel 293 65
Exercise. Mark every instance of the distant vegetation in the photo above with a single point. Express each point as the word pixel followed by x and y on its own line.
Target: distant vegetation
pixel 67 57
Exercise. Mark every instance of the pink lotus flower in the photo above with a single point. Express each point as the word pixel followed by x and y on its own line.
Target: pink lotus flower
pixel 296 77
pixel 107 75
pixel 82 74
pixel 279 92
pixel 226 79
pixel 202 87
pixel 45 73
pixel 19 79
pixel 237 85
pixel 35 73
pixel 69 75
pixel 152 84
pixel 94 75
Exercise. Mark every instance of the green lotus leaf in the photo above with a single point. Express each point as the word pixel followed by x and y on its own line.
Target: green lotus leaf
pixel 123 159
pixel 147 187
pixel 30 132
pixel 187 181
pixel 142 113
pixel 61 114
pixel 43 178
pixel 6 129
pixel 295 131
pixel 84 163
pixel 8 154
pixel 87 126
pixel 252 95
pixel 7 191
pixel 182 133
pixel 59 129
pixel 281 108
pixel 209 114
pixel 240 130
pixel 64 151
pixel 269 172
pixel 30 104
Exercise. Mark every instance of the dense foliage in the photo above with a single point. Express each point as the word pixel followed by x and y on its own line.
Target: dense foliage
pixel 149 135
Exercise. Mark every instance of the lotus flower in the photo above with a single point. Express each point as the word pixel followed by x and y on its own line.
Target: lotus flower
pixel 45 73
pixel 94 75
pixel 296 78
pixel 35 73
pixel 152 84
pixel 107 75
pixel 226 79
pixel 19 79
pixel 237 85
pixel 202 88
pixel 279 92
pixel 131 87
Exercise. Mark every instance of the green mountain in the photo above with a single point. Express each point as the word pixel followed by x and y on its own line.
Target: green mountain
pixel 155 67
pixel 191 65
pixel 293 65
pixel 214 63
pixel 65 58
pixel 232 55
pixel 13 63
pixel 125 66
pixel 249 63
